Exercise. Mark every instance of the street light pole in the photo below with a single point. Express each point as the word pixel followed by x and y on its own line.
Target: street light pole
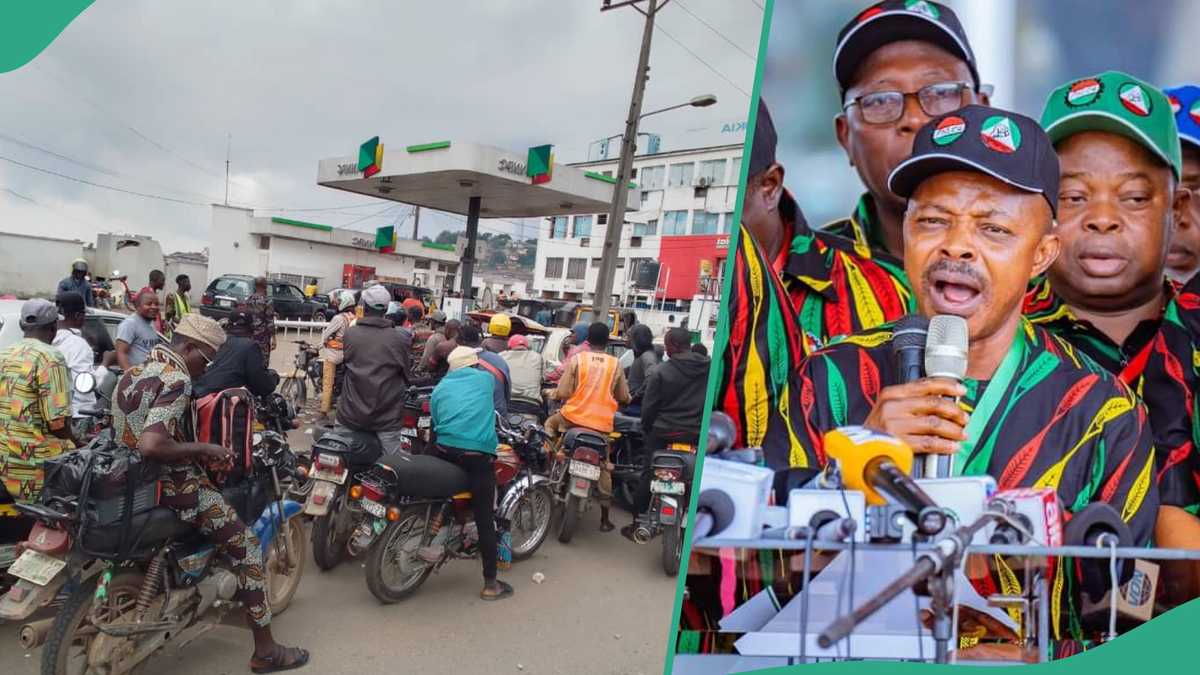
pixel 616 215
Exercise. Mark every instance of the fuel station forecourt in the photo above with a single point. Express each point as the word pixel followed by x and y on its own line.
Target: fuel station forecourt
pixel 475 181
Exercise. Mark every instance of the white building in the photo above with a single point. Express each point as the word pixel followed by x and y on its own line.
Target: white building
pixel 302 252
pixel 687 202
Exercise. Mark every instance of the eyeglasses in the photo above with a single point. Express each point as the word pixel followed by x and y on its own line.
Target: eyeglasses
pixel 207 359
pixel 885 107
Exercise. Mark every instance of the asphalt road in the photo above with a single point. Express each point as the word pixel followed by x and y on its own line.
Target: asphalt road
pixel 603 608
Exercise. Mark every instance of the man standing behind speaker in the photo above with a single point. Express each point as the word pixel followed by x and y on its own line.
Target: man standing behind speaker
pixel 977 229
pixel 1107 294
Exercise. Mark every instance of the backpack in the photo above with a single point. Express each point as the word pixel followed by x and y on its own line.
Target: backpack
pixel 226 418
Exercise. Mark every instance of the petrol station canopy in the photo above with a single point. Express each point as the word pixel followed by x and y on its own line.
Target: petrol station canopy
pixel 444 176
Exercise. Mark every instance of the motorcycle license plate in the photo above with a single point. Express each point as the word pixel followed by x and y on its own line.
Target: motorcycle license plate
pixel 320 498
pixel 374 508
pixel 411 433
pixel 335 477
pixel 36 567
pixel 585 470
pixel 666 487
pixel 681 447
pixel 424 423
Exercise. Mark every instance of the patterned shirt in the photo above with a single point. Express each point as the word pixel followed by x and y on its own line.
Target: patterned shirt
pixel 1156 362
pixel 778 311
pixel 154 396
pixel 862 228
pixel 262 330
pixel 35 401
pixel 1059 420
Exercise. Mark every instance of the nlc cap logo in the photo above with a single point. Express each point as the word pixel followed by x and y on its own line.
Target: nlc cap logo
pixel 1001 134
pixel 1176 106
pixel 922 7
pixel 949 130
pixel 1194 112
pixel 1134 98
pixel 1084 92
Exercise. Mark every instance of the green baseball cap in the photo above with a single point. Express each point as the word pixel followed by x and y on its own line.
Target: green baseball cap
pixel 1117 103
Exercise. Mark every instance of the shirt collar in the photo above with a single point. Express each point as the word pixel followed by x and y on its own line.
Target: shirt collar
pixel 1045 307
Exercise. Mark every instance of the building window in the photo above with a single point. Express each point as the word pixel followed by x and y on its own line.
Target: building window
pixel 576 268
pixel 680 175
pixel 583 226
pixel 652 177
pixel 635 242
pixel 585 242
pixel 558 227
pixel 595 262
pixel 422 264
pixel 620 263
pixel 737 170
pixel 727 222
pixel 554 268
pixel 712 171
pixel 602 219
pixel 704 222
pixel 647 228
pixel 264 242
pixel 675 222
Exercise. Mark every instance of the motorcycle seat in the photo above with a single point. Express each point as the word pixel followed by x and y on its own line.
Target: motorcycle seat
pixel 576 436
pixel 425 475
pixel 146 530
pixel 363 447
pixel 627 424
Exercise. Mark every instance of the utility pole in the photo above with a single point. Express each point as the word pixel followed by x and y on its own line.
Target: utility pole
pixel 416 221
pixel 228 143
pixel 616 216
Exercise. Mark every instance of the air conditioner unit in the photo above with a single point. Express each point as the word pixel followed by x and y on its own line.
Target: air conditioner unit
pixel 703 181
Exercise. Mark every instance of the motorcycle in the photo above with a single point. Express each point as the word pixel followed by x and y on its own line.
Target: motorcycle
pixel 274 413
pixel 308 368
pixel 125 600
pixel 629 458
pixel 339 455
pixel 418 511
pixel 416 422
pixel 671 473
pixel 575 474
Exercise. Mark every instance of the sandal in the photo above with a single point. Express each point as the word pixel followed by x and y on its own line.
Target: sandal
pixel 505 591
pixel 284 658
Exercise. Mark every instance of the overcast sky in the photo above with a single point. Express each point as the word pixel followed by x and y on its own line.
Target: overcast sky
pixel 141 95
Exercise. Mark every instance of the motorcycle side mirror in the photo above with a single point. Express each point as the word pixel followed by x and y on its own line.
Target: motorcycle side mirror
pixel 85 383
pixel 515 421
pixel 256 439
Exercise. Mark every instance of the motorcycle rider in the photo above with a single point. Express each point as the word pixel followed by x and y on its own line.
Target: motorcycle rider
pixel 438 347
pixel 35 402
pixel 499 328
pixel 575 343
pixel 645 359
pixel 79 356
pixel 78 282
pixel 119 284
pixel 592 386
pixel 464 418
pixel 673 405
pixel 332 354
pixel 151 413
pixel 527 368
pixel 491 362
pixel 373 394
pixel 238 363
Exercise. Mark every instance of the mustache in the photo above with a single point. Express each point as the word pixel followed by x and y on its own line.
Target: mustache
pixel 959 267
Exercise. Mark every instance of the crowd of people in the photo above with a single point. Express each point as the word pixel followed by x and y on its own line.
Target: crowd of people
pixel 1067 243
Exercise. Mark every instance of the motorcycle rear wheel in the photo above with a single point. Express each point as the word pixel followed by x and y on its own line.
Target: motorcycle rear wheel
pixel 283 575
pixel 570 519
pixel 294 390
pixel 672 548
pixel 396 546
pixel 75 617
pixel 535 510
pixel 328 550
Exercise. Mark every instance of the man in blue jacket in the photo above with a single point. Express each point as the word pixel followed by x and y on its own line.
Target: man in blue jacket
pixel 464 418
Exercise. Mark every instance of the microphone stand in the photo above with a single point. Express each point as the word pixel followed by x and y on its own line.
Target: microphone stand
pixel 936 566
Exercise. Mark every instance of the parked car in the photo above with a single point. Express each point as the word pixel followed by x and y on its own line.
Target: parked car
pixel 100 327
pixel 553 347
pixel 225 292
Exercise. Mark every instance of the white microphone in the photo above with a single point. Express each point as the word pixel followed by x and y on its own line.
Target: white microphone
pixel 945 356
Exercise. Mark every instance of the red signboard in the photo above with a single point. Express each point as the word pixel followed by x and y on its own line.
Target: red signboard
pixel 354 276
pixel 687 259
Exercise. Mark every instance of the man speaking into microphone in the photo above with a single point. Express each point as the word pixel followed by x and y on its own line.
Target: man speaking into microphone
pixel 982 188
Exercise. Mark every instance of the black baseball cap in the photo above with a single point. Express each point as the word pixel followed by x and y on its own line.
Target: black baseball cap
pixel 895 20
pixel 762 152
pixel 1009 147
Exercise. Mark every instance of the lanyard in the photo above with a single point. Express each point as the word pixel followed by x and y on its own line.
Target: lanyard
pixel 992 393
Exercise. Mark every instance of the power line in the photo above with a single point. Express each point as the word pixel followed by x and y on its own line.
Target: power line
pixel 701 60
pixel 719 33
pixel 759 5
pixel 100 185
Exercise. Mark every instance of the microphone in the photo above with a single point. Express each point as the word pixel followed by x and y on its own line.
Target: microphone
pixel 908 345
pixel 878 465
pixel 714 512
pixel 945 356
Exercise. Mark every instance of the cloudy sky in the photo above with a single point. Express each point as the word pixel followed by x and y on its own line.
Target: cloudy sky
pixel 142 95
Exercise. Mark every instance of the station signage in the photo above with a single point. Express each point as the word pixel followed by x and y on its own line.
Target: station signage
pixel 348 169
pixel 513 166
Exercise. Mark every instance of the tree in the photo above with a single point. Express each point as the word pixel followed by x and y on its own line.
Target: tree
pixel 448 237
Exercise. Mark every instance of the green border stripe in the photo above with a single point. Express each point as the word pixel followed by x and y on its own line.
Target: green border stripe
pixel 606 179
pixel 722 336
pixel 428 146
pixel 440 247
pixel 301 223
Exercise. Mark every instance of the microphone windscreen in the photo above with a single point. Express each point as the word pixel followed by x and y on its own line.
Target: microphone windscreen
pixel 719 505
pixel 721 432
pixel 946 347
pixel 910 331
